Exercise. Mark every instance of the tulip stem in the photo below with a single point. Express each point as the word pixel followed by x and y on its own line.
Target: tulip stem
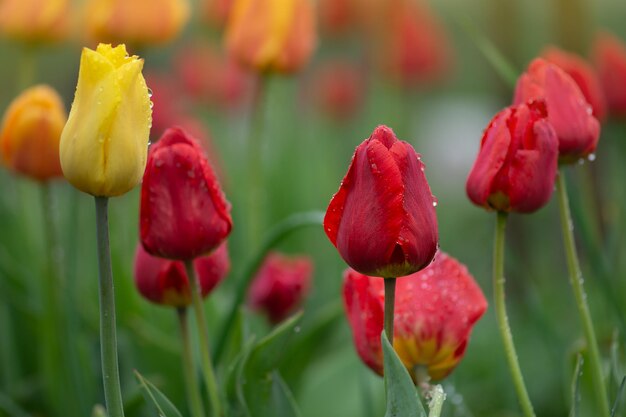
pixel 503 320
pixel 108 336
pixel 390 302
pixel 207 366
pixel 191 382
pixel 576 280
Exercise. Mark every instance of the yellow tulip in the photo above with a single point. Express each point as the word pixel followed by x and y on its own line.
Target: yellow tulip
pixel 104 144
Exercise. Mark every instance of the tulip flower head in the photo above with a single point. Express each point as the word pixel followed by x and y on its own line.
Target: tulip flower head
pixel 517 163
pixel 104 144
pixel 183 211
pixel 382 220
pixel 435 311
pixel 31 131
pixel 568 111
pixel 583 74
pixel 34 20
pixel 280 285
pixel 165 282
pixel 338 89
pixel 271 35
pixel 136 22
pixel 610 59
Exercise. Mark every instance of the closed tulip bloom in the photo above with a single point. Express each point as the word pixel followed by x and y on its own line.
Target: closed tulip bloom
pixel 136 22
pixel 164 281
pixel 517 162
pixel 583 74
pixel 104 144
pixel 610 60
pixel 435 311
pixel 183 211
pixel 568 111
pixel 271 35
pixel 34 20
pixel 30 133
pixel 280 285
pixel 382 220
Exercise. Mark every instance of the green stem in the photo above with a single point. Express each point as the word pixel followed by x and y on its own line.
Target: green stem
pixel 390 302
pixel 503 321
pixel 108 336
pixel 27 67
pixel 276 234
pixel 576 280
pixel 435 405
pixel 191 382
pixel 207 366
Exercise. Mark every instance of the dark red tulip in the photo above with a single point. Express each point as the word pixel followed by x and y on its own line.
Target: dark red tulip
pixel 517 162
pixel 435 311
pixel 183 211
pixel 382 220
pixel 568 111
pixel 610 59
pixel 280 285
pixel 583 74
pixel 164 281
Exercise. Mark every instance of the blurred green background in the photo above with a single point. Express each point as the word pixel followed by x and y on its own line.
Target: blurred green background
pixel 305 155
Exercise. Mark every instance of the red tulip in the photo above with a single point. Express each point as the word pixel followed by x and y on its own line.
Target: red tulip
pixel 280 285
pixel 183 211
pixel 610 59
pixel 338 89
pixel 584 76
pixel 337 16
pixel 435 310
pixel 517 162
pixel 165 281
pixel 382 220
pixel 568 111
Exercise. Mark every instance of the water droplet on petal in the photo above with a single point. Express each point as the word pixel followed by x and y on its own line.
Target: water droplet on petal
pixel 149 92
pixel 592 157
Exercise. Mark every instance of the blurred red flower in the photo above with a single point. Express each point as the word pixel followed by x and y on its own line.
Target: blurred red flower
pixel 338 89
pixel 164 281
pixel 382 220
pixel 610 59
pixel 183 211
pixel 435 311
pixel 569 113
pixel 280 285
pixel 517 162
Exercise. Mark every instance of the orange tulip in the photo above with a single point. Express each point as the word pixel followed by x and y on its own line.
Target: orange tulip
pixel 136 22
pixel 34 20
pixel 30 133
pixel 271 35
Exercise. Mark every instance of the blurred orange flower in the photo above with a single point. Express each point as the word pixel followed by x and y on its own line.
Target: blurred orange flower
pixel 31 131
pixel 337 16
pixel 271 35
pixel 216 12
pixel 34 20
pixel 136 22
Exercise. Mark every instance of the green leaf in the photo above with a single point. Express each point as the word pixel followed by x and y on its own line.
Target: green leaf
pixel 261 390
pixel 152 394
pixel 402 400
pixel 578 371
pixel 618 398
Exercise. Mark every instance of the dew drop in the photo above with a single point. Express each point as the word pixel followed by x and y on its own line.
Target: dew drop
pixel 158 163
pixel 191 174
pixel 592 157
pixel 149 92
pixel 151 104
pixel 297 329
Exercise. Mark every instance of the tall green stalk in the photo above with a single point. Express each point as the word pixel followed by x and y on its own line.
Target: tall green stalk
pixel 390 302
pixel 207 366
pixel 191 382
pixel 576 280
pixel 108 335
pixel 503 320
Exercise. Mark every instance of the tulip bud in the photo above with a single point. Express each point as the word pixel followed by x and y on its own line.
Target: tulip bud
pixel 165 282
pixel 568 111
pixel 105 141
pixel 136 22
pixel 583 74
pixel 30 133
pixel 183 211
pixel 271 35
pixel 382 220
pixel 517 162
pixel 34 20
pixel 435 310
pixel 610 60
pixel 280 285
